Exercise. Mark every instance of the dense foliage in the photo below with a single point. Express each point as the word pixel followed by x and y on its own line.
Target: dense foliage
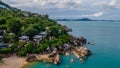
pixel 25 23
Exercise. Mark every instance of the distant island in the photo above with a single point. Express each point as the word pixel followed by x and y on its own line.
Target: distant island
pixel 83 19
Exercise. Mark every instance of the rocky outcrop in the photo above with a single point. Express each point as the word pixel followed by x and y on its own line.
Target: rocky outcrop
pixel 51 58
pixel 57 59
pixel 31 58
pixel 81 52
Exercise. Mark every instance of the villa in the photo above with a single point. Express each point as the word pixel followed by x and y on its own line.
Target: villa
pixel 2 45
pixel 24 38
pixel 1 38
pixel 37 38
pixel 44 34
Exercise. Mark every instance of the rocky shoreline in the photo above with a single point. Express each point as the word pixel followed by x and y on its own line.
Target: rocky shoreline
pixel 53 55
pixel 75 46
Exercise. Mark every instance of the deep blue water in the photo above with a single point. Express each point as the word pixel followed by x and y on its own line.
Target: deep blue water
pixel 106 51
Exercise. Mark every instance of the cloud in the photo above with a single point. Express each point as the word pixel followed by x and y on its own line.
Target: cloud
pixel 70 8
pixel 46 3
pixel 112 4
pixel 93 15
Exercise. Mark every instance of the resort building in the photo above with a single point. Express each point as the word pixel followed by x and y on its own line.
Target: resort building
pixel 44 34
pixel 24 38
pixel 1 38
pixel 2 45
pixel 37 38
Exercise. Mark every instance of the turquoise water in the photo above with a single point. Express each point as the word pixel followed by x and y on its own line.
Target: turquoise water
pixel 106 51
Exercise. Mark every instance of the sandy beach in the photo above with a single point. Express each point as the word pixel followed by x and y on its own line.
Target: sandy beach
pixel 13 62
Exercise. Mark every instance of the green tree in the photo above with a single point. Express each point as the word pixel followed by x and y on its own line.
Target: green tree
pixel 9 38
pixel 54 31
pixel 2 21
pixel 38 27
pixel 13 47
pixel 14 25
pixel 30 32
pixel 41 47
pixel 21 53
pixel 29 47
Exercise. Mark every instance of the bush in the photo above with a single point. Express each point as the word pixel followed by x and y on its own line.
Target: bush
pixel 21 43
pixel 9 38
pixel 5 50
pixel 2 21
pixel 13 46
pixel 29 47
pixel 1 58
pixel 21 53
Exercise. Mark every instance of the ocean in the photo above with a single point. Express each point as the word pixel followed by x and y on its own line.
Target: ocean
pixel 106 51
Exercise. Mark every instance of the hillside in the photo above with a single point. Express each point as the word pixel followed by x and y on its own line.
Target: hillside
pixel 20 29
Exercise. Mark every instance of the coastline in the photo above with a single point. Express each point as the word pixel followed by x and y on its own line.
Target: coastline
pixel 13 62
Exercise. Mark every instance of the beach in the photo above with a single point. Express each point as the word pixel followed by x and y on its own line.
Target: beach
pixel 13 62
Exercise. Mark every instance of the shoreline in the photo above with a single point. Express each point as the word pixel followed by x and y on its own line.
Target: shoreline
pixel 54 57
pixel 20 62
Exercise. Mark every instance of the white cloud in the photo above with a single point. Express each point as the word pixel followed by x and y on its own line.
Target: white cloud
pixel 111 4
pixel 93 15
pixel 46 3
pixel 70 8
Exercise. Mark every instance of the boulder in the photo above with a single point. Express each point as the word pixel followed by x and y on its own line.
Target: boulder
pixel 31 58
pixel 57 59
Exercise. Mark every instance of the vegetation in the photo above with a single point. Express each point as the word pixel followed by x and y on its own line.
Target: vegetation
pixel 1 59
pixel 18 23
pixel 5 50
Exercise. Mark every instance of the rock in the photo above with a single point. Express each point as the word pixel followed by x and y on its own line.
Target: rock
pixel 81 52
pixel 31 58
pixel 72 60
pixel 57 59
pixel 90 43
pixel 67 53
pixel 81 60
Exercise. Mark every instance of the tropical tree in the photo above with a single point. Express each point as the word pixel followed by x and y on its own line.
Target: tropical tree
pixel 29 47
pixel 30 32
pixel 2 20
pixel 14 25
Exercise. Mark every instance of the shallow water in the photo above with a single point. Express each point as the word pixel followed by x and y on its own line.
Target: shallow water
pixel 106 51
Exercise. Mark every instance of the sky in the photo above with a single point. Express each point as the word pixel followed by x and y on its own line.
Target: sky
pixel 74 9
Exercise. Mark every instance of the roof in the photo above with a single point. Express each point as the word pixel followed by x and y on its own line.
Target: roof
pixel 23 37
pixel 37 36
pixel 11 33
pixel 1 36
pixel 43 33
pixel 4 45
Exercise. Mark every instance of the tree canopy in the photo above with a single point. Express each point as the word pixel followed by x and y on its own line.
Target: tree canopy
pixel 26 23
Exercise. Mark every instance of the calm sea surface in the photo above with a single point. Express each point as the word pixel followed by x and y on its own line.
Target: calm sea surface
pixel 106 51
